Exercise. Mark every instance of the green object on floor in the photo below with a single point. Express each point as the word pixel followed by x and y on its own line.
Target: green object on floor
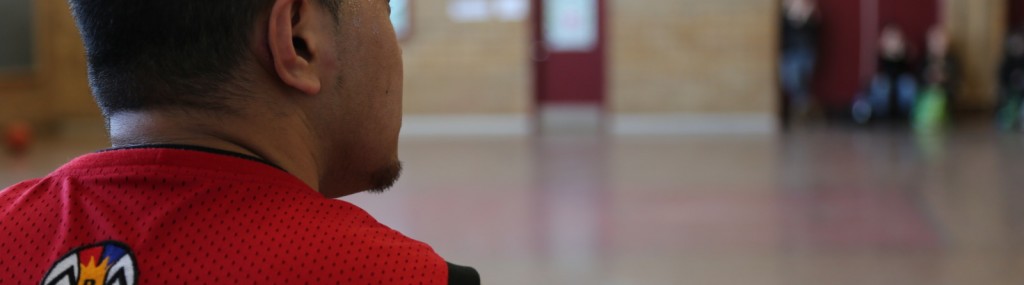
pixel 1009 113
pixel 930 110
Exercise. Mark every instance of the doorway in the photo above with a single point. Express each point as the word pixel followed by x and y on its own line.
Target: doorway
pixel 569 64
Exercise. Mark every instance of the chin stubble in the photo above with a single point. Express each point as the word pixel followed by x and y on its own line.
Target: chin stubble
pixel 385 177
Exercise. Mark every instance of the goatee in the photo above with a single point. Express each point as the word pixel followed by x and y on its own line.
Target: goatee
pixel 385 177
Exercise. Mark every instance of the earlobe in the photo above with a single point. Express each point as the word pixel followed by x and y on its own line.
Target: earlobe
pixel 292 53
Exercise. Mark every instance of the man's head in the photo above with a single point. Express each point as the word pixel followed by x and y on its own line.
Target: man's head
pixel 938 41
pixel 1015 45
pixel 892 43
pixel 329 67
pixel 799 8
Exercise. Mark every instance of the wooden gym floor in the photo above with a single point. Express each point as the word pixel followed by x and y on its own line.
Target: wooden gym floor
pixel 823 205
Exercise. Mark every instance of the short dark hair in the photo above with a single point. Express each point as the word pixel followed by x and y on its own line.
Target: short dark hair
pixel 157 54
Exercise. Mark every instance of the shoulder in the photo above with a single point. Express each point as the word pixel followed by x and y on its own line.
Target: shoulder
pixel 357 229
pixel 344 236
pixel 19 191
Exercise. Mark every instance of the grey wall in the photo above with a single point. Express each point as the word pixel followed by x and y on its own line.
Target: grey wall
pixel 15 35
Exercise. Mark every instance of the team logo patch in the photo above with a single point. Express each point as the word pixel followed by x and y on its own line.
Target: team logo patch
pixel 106 263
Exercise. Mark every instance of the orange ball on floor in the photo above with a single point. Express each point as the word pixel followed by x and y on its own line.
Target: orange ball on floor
pixel 18 136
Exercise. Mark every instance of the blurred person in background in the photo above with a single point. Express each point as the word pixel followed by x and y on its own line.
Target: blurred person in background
pixel 939 81
pixel 940 67
pixel 892 89
pixel 800 33
pixel 1011 83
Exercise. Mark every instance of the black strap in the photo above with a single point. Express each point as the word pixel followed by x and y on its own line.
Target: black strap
pixel 462 275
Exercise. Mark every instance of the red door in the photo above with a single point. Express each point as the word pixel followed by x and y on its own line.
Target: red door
pixel 915 17
pixel 840 62
pixel 1016 14
pixel 569 51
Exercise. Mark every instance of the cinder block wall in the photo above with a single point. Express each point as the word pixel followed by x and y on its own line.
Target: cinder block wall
pixel 693 56
pixel 466 68
pixel 57 87
pixel 978 29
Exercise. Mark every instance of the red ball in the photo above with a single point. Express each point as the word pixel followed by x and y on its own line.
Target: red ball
pixel 18 137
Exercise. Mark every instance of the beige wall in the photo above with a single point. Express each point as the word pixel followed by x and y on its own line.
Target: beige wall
pixel 693 56
pixel 57 87
pixel 17 98
pixel 978 28
pixel 62 64
pixel 475 68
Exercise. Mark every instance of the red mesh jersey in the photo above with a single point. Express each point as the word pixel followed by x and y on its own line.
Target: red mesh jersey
pixel 159 216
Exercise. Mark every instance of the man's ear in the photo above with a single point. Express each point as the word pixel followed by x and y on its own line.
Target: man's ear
pixel 290 39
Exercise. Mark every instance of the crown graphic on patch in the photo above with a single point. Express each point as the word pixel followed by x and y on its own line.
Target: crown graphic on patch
pixel 105 263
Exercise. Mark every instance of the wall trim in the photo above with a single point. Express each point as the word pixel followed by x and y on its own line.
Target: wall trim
pixel 619 125
pixel 466 125
pixel 692 124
